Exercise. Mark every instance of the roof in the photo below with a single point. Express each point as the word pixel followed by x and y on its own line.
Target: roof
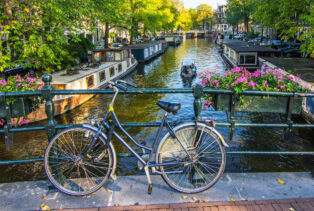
pixel 239 46
pixel 143 45
pixel 187 62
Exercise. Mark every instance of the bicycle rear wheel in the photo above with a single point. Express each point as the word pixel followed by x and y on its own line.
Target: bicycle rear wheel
pixel 72 173
pixel 198 170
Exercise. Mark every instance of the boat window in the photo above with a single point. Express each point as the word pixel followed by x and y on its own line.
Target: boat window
pixel 146 52
pixel 109 56
pixel 90 81
pixel 111 71
pixel 241 60
pixel 117 56
pixel 119 67
pixel 249 59
pixel 102 76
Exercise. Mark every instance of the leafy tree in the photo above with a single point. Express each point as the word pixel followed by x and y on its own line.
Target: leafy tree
pixel 37 31
pixel 293 19
pixel 204 12
pixel 241 10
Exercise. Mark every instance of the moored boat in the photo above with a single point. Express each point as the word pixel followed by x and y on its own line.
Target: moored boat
pixel 146 51
pixel 109 64
pixel 188 69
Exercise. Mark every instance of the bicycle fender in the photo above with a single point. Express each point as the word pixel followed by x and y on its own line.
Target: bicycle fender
pixel 220 137
pixel 112 175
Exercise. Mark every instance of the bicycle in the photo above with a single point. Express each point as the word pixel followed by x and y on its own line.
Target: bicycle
pixel 190 158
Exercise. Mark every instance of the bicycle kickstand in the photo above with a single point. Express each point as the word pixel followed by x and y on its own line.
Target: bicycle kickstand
pixel 150 184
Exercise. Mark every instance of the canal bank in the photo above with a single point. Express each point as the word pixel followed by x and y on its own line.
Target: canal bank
pixel 132 190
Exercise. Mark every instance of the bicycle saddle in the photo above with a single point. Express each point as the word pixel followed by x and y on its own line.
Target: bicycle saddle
pixel 169 107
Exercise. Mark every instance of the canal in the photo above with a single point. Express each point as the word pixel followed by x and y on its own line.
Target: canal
pixel 164 72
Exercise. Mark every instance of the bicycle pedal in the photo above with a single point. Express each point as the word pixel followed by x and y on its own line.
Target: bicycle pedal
pixel 150 189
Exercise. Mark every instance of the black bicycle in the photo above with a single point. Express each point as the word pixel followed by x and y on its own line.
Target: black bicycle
pixel 190 157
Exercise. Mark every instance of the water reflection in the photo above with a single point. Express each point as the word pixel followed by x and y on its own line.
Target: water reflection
pixel 164 72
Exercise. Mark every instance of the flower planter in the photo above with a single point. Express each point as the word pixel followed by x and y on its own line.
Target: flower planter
pixel 19 108
pixel 258 104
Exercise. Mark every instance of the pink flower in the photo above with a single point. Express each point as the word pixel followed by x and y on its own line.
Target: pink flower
pixel 19 84
pixel 3 82
pixel 227 86
pixel 290 77
pixel 202 85
pixel 206 101
pixel 31 79
pixel 204 80
pixel 25 121
pixel 205 107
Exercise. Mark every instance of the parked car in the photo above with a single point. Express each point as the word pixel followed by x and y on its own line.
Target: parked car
pixel 291 50
pixel 275 43
pixel 116 45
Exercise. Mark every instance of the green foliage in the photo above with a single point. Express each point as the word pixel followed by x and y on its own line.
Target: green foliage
pixel 35 31
pixel 252 34
pixel 292 19
pixel 239 11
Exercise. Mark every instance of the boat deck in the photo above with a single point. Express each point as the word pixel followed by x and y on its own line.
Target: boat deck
pixel 63 78
pixel 303 67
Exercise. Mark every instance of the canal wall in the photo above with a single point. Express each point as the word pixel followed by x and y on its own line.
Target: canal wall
pixel 308 106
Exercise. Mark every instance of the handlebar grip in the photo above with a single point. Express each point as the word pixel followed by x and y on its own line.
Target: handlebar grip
pixel 120 86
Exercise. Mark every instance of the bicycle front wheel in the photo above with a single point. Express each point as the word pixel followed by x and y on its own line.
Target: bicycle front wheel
pixel 199 165
pixel 71 172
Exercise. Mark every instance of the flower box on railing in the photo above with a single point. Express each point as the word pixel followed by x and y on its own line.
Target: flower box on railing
pixel 269 104
pixel 20 108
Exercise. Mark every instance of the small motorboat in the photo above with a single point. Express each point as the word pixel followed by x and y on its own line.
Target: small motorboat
pixel 188 69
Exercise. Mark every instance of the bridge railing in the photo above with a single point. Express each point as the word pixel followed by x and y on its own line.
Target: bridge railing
pixel 51 127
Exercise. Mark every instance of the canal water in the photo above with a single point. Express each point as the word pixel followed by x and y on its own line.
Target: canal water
pixel 164 72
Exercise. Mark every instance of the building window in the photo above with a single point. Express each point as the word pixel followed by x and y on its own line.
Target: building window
pixel 90 81
pixel 111 71
pixel 102 76
pixel 119 67
pixel 249 59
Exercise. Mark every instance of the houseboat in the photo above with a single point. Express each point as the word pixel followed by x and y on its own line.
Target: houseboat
pixel 164 43
pixel 174 40
pixel 146 51
pixel 110 64
pixel 245 55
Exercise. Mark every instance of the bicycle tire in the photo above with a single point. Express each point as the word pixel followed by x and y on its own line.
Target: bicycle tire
pixel 69 171
pixel 197 174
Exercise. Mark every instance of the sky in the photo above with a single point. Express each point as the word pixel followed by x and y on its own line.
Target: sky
pixel 194 3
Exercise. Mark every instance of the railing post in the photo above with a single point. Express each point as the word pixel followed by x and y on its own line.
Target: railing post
pixel 233 99
pixel 8 136
pixel 198 93
pixel 46 92
pixel 288 131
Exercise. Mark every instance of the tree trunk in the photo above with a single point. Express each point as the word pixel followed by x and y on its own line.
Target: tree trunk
pixel 107 35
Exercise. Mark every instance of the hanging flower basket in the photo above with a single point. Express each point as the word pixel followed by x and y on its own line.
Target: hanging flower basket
pixel 20 108
pixel 221 102
pixel 239 79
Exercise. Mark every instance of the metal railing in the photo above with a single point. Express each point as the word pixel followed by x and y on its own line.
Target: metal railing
pixel 48 92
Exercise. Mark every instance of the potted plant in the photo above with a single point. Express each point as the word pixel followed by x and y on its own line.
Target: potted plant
pixel 239 79
pixel 19 107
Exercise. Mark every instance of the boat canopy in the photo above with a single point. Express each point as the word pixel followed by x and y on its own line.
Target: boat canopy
pixel 187 62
